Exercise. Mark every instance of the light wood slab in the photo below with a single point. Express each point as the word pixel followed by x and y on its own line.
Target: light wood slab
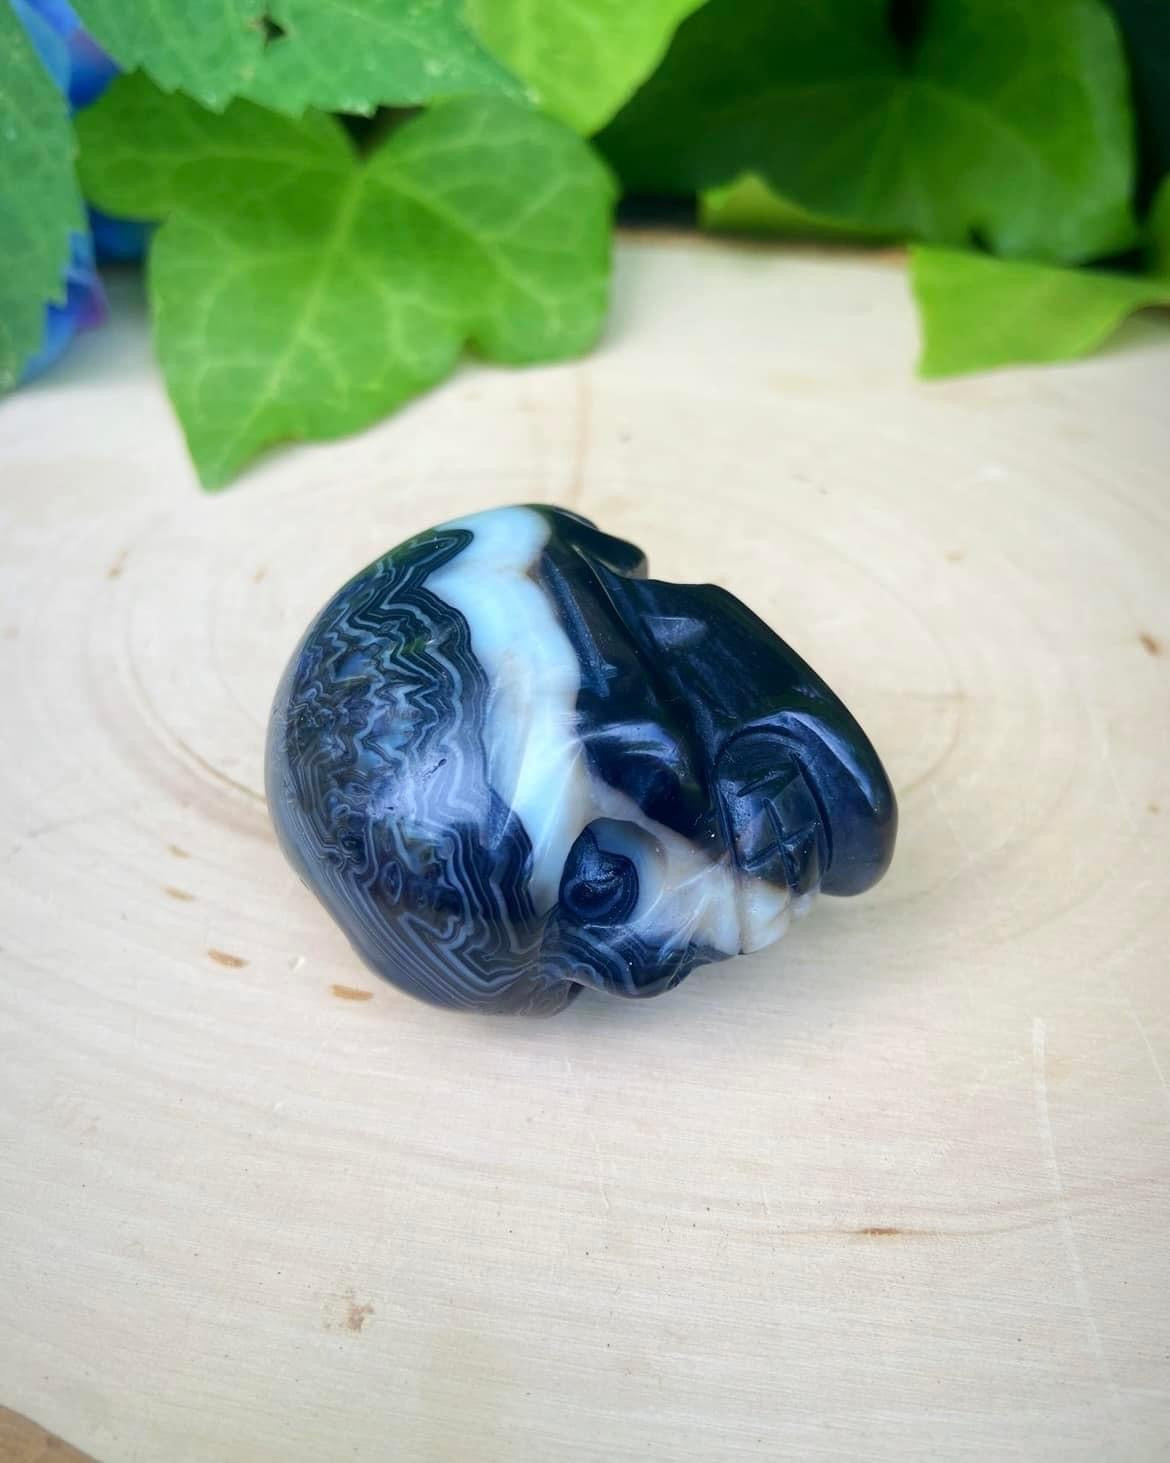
pixel 896 1189
pixel 24 1441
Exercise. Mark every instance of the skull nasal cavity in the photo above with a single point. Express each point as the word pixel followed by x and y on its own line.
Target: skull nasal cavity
pixel 597 886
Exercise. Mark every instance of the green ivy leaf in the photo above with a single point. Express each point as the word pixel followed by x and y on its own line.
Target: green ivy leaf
pixel 39 201
pixel 749 206
pixel 299 291
pixel 210 49
pixel 354 55
pixel 1160 230
pixel 979 312
pixel 340 55
pixel 582 58
pixel 1005 119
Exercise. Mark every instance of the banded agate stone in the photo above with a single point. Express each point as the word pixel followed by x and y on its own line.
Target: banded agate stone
pixel 510 765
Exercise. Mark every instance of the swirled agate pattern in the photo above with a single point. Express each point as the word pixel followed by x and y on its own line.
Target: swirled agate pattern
pixel 511 766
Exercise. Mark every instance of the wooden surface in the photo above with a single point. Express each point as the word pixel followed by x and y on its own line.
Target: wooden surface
pixel 24 1441
pixel 898 1188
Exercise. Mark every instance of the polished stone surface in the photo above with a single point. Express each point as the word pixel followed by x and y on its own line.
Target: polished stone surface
pixel 510 765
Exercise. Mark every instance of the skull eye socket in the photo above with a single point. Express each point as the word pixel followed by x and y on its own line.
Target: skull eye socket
pixel 598 886
pixel 772 817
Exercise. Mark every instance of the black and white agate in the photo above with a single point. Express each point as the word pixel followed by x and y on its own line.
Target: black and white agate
pixel 510 766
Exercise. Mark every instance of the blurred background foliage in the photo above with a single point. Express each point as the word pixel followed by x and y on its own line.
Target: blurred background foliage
pixel 339 196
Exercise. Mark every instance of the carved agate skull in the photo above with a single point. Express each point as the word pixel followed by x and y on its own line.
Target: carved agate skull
pixel 510 766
